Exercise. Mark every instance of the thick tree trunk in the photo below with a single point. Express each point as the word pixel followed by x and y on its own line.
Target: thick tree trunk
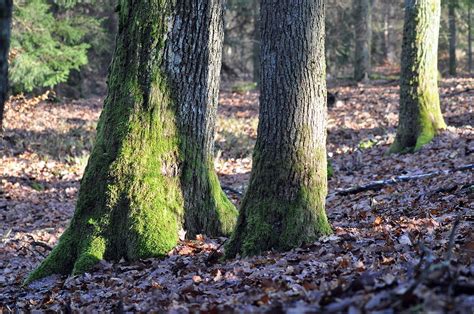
pixel 420 114
pixel 196 61
pixel 284 204
pixel 452 36
pixel 151 167
pixel 363 35
pixel 6 7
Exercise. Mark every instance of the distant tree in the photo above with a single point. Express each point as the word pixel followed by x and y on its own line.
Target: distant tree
pixel 469 35
pixel 363 34
pixel 420 114
pixel 5 29
pixel 452 5
pixel 151 169
pixel 284 205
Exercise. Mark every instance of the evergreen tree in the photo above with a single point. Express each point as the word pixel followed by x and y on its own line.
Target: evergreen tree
pixel 284 204
pixel 48 42
pixel 420 113
pixel 5 28
pixel 151 169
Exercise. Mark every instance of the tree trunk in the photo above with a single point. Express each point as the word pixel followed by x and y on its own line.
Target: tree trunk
pixel 420 114
pixel 284 204
pixel 151 168
pixel 363 34
pixel 256 43
pixel 452 36
pixel 386 32
pixel 469 36
pixel 6 7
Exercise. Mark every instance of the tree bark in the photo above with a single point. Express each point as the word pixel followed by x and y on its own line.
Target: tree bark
pixel 420 113
pixel 284 204
pixel 6 7
pixel 452 36
pixel 151 168
pixel 363 35
pixel 256 43
pixel 469 36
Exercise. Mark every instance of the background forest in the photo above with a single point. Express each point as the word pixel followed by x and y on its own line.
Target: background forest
pixel 67 45
pixel 402 223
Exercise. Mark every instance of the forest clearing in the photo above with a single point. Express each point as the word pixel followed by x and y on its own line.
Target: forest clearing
pixel 381 256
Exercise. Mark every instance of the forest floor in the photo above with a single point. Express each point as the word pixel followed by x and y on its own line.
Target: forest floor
pixel 407 247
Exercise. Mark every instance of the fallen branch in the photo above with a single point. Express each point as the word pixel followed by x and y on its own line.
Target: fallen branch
pixel 42 244
pixel 378 185
pixel 232 190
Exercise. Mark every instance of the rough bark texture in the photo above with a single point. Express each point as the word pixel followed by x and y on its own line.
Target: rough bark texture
pixel 420 114
pixel 284 204
pixel 6 7
pixel 363 35
pixel 151 166
pixel 195 61
pixel 452 36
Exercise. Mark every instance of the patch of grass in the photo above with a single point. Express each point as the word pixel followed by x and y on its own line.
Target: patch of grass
pixel 37 186
pixel 243 88
pixel 367 143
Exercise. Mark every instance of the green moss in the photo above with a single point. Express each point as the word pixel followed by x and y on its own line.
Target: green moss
pixel 226 211
pixel 269 219
pixel 208 209
pixel 92 252
pixel 330 171
pixel 59 261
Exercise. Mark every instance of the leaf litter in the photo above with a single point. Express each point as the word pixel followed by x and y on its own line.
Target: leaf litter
pixel 407 247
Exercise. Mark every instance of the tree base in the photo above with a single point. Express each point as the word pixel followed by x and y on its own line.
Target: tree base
pixel 273 224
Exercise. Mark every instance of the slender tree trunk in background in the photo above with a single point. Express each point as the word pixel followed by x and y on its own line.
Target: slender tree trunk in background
pixel 452 36
pixel 6 7
pixel 284 204
pixel 469 36
pixel 256 42
pixel 363 34
pixel 420 114
pixel 151 167
pixel 386 31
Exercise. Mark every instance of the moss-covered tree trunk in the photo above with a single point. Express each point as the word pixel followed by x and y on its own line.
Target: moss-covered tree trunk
pixel 195 62
pixel 284 205
pixel 151 167
pixel 6 7
pixel 452 36
pixel 363 36
pixel 420 115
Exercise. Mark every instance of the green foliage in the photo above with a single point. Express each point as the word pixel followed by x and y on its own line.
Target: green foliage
pixel 45 46
pixel 245 87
